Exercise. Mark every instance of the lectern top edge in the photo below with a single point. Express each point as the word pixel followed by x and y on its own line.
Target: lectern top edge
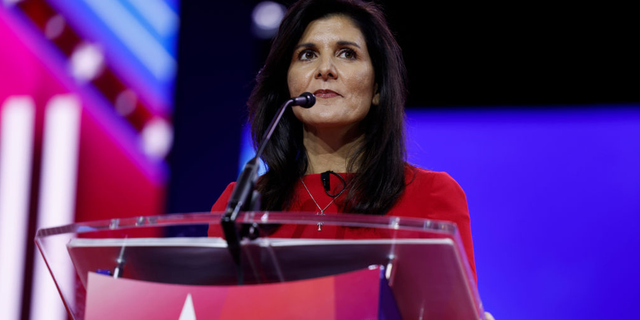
pixel 259 217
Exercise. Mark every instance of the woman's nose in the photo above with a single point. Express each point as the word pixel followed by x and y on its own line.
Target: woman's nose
pixel 326 70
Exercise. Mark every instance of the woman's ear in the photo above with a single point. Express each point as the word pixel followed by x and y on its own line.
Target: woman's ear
pixel 376 95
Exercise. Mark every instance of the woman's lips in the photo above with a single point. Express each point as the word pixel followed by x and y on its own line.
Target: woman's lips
pixel 326 94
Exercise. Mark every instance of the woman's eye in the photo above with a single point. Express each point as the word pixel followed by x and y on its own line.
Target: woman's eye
pixel 348 54
pixel 306 55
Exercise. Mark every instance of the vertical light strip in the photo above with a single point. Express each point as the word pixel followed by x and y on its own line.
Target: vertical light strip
pixel 16 153
pixel 56 205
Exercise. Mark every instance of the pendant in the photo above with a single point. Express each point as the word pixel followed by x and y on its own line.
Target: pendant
pixel 320 223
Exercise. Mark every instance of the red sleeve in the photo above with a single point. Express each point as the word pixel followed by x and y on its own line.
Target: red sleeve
pixel 449 202
pixel 219 206
pixel 221 203
pixel 437 196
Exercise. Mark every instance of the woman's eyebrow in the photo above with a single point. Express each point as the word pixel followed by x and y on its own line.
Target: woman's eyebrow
pixel 305 45
pixel 348 43
pixel 340 43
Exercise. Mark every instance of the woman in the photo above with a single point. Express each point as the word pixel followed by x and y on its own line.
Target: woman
pixel 344 53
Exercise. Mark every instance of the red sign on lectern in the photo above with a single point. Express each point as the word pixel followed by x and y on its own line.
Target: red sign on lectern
pixel 352 295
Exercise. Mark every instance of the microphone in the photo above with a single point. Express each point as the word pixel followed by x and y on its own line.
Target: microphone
pixel 238 200
pixel 244 197
pixel 326 182
pixel 305 100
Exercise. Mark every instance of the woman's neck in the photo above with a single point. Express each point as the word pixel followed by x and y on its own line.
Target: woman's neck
pixel 330 149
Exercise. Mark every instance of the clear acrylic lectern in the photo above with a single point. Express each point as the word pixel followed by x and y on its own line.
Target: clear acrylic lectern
pixel 423 261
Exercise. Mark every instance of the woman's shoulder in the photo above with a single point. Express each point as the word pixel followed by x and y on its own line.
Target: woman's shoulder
pixel 433 187
pixel 419 177
pixel 434 195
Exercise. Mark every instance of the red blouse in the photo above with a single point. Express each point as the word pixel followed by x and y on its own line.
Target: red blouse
pixel 428 195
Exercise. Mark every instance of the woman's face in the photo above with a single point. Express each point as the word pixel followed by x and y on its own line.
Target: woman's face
pixel 332 62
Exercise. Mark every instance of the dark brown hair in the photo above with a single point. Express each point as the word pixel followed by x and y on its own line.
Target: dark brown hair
pixel 381 155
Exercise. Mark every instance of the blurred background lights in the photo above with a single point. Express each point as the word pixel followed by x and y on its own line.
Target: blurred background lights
pixel 157 137
pixel 126 102
pixel 266 18
pixel 135 36
pixel 87 61
pixel 54 27
pixel 10 2
pixel 159 15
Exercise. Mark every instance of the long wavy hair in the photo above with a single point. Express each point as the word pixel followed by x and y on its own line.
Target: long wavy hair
pixel 382 153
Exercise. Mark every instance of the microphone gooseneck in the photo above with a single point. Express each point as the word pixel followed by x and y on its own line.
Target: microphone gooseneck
pixel 305 100
pixel 244 196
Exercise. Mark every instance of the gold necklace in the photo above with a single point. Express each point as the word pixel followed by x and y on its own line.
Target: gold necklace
pixel 314 201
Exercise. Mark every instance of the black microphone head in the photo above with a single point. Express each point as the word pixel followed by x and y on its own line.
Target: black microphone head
pixel 310 100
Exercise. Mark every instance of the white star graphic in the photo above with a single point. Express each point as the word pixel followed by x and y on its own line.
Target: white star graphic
pixel 188 312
